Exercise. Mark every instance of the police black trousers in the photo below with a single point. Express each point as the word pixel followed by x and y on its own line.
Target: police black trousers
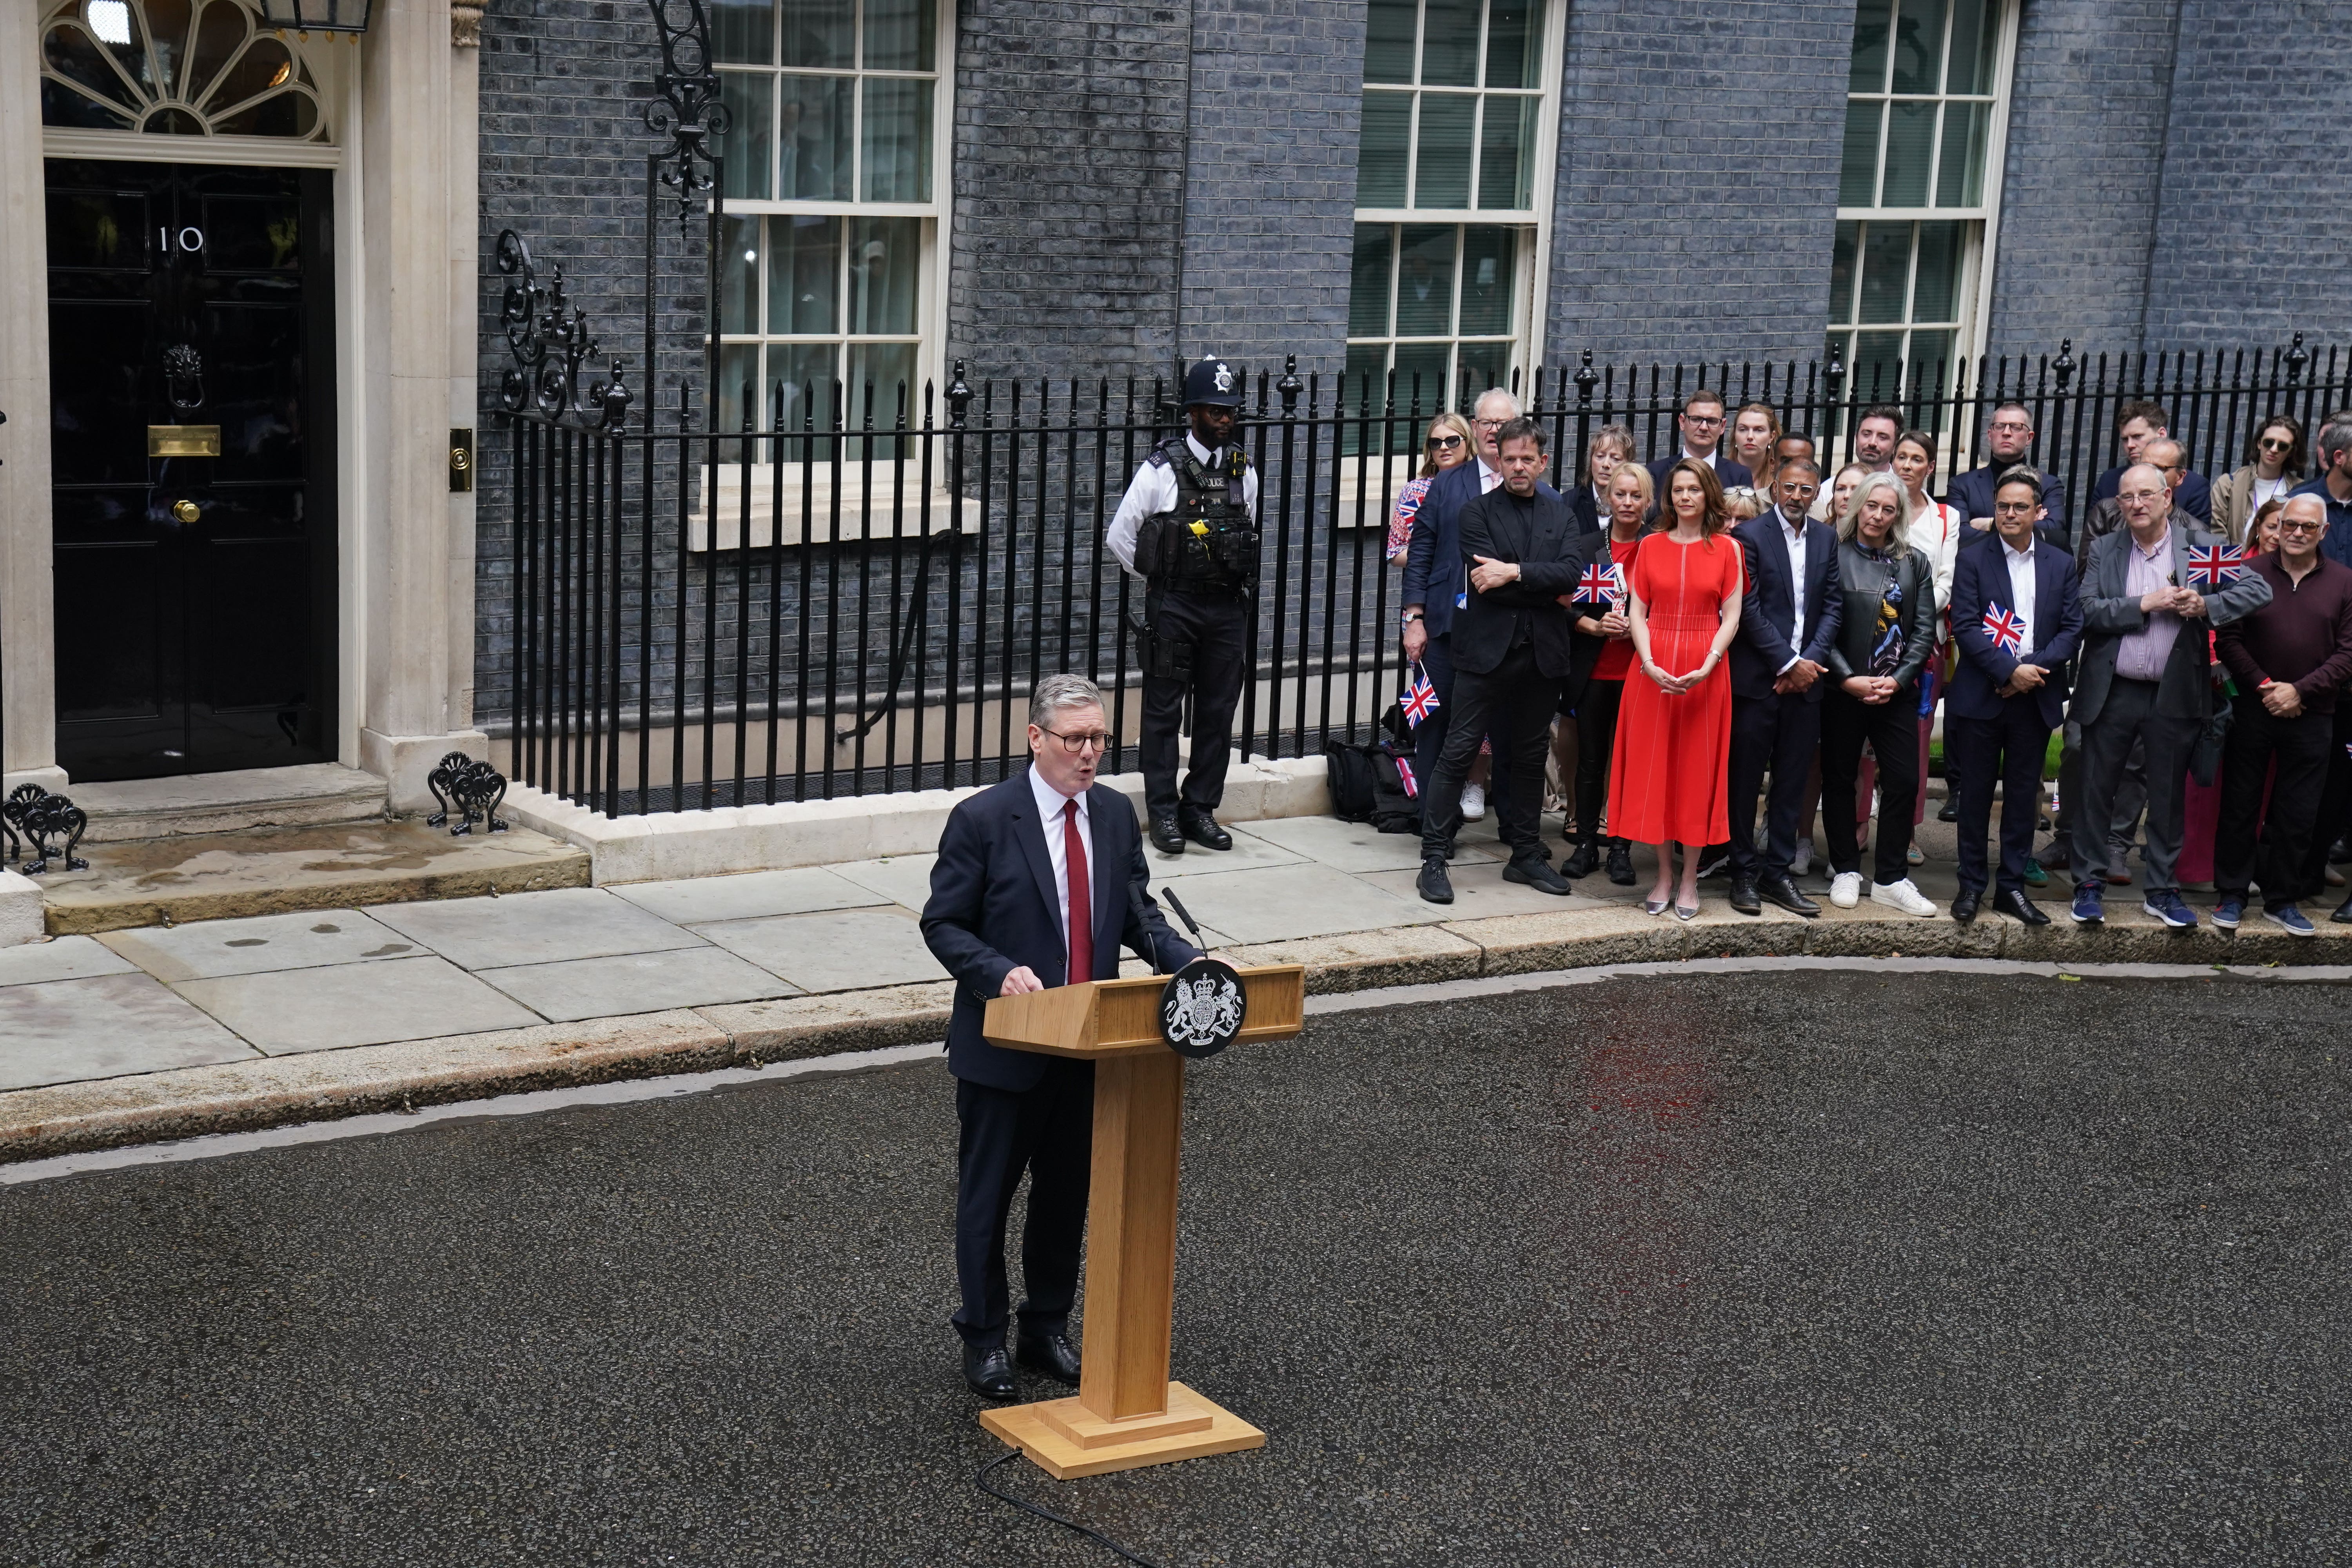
pixel 2300 746
pixel 1218 630
pixel 1048 1130
pixel 1515 700
pixel 1892 729
pixel 1782 731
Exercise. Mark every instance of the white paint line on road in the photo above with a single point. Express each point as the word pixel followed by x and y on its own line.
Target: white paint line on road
pixel 637 1090
pixel 213 1145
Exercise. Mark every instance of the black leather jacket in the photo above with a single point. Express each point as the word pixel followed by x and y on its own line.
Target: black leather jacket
pixel 1865 583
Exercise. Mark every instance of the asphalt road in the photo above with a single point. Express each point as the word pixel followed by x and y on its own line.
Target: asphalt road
pixel 1805 1269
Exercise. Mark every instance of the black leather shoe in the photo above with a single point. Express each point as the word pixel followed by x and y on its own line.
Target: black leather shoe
pixel 2343 915
pixel 2019 908
pixel 1433 885
pixel 989 1371
pixel 1949 811
pixel 1202 829
pixel 1621 864
pixel 1584 861
pixel 1538 875
pixel 1052 1354
pixel 1743 895
pixel 1782 891
pixel 1965 903
pixel 1166 837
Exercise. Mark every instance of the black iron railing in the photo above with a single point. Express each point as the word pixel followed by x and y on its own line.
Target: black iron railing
pixel 704 618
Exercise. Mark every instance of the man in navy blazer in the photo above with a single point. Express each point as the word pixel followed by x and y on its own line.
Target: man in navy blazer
pixel 1789 621
pixel 1701 424
pixel 1043 869
pixel 1436 586
pixel 2017 615
pixel 2008 438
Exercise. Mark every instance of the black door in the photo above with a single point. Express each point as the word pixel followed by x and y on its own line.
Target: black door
pixel 191 337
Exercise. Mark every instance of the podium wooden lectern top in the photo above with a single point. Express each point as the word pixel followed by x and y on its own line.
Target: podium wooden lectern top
pixel 1126 1412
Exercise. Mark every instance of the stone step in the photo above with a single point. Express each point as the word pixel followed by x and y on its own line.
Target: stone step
pixel 312 794
pixel 274 870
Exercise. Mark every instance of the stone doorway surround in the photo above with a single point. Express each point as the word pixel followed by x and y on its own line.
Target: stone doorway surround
pixel 406 174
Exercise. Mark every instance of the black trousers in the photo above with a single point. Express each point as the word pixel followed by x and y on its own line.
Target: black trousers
pixel 1429 735
pixel 1596 743
pixel 1892 729
pixel 1047 1131
pixel 1219 629
pixel 1780 732
pixel 2335 815
pixel 2302 747
pixel 2010 749
pixel 1515 701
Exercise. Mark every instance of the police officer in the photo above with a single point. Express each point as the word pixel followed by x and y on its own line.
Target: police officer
pixel 1188 527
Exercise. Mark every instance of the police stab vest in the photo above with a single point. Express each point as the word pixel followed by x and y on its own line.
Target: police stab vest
pixel 1209 543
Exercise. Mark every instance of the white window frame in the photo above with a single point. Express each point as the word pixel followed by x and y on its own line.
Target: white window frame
pixel 930 301
pixel 1533 255
pixel 1974 290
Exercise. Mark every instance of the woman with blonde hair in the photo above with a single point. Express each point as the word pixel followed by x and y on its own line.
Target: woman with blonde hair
pixel 1668 781
pixel 1448 445
pixel 1755 444
pixel 1603 658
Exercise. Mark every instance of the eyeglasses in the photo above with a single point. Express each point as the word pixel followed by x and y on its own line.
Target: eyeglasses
pixel 1703 420
pixel 2010 427
pixel 1444 443
pixel 1074 745
pixel 1490 424
pixel 2149 496
pixel 2299 527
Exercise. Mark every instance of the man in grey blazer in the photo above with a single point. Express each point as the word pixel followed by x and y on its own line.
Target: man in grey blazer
pixel 2143 678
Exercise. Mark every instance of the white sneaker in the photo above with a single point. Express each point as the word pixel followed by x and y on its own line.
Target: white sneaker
pixel 1803 861
pixel 1474 802
pixel 1845 890
pixel 1902 896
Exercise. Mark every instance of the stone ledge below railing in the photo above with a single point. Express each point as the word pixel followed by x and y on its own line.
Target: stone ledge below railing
pixel 322 1085
pixel 727 839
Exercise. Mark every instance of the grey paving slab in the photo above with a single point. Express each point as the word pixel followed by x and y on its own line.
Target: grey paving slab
pixel 637 983
pixel 698 899
pixel 533 928
pixel 1358 845
pixel 1248 852
pixel 293 1010
pixel 1284 901
pixel 903 879
pixel 60 958
pixel 67 1031
pixel 258 945
pixel 1479 890
pixel 846 949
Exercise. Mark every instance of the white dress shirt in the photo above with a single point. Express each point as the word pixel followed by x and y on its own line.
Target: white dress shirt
pixel 1050 802
pixel 1154 490
pixel 1798 562
pixel 2021 590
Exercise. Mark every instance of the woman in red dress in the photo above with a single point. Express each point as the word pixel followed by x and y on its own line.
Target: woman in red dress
pixel 1668 781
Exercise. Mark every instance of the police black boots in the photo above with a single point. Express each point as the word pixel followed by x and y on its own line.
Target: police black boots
pixel 1202 829
pixel 1166 837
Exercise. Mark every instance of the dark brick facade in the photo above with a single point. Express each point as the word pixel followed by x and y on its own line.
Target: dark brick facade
pixel 1698 167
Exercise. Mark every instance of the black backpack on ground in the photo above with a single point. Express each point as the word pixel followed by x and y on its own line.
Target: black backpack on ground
pixel 1368 784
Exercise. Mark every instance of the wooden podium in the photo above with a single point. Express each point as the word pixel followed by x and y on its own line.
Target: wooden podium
pixel 1126 1412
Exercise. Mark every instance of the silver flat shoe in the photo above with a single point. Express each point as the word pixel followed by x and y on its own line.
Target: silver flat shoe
pixel 1685 911
pixel 1653 906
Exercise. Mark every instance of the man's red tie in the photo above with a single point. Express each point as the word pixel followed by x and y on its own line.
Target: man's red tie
pixel 1082 910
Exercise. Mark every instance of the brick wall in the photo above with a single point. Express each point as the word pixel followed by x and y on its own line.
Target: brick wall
pixel 1713 132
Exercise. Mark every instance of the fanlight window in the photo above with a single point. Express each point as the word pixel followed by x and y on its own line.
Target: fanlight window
pixel 175 68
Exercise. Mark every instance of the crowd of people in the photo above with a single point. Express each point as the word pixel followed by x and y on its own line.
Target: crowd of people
pixel 1726 625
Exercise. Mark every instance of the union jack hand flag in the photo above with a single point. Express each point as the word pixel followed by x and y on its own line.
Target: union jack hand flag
pixel 1601 584
pixel 2214 565
pixel 1404 777
pixel 2006 629
pixel 1420 700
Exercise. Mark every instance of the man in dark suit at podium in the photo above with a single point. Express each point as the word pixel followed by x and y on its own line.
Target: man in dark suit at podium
pixel 1039 881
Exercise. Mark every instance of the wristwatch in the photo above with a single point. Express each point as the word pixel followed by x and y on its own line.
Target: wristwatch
pixel 1412 616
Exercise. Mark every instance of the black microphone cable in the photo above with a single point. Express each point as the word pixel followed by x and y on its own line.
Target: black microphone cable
pixel 1097 1536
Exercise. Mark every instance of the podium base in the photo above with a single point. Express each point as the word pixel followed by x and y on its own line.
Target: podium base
pixel 1066 1440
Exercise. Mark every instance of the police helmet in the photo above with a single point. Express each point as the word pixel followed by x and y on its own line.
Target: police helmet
pixel 1213 381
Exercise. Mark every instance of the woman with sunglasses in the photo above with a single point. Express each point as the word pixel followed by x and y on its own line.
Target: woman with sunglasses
pixel 2274 466
pixel 1446 445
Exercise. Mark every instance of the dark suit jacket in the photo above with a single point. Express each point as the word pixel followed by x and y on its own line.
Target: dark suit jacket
pixel 1762 648
pixel 1972 493
pixel 1584 652
pixel 1862 582
pixel 2194 497
pixel 1729 472
pixel 1587 508
pixel 994 907
pixel 1543 542
pixel 2111 612
pixel 1433 572
pixel 1980 577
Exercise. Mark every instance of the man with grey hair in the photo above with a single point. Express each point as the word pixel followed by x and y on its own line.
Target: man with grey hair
pixel 2141 681
pixel 1039 882
pixel 1435 585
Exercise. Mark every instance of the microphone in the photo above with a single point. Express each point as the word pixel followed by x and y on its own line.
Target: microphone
pixel 1186 915
pixel 1140 907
